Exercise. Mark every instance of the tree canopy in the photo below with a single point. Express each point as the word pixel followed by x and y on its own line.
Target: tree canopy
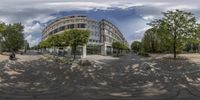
pixel 171 32
pixel 72 38
pixel 11 36
pixel 119 46
pixel 136 46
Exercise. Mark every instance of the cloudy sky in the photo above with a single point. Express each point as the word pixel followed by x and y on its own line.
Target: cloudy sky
pixel 130 16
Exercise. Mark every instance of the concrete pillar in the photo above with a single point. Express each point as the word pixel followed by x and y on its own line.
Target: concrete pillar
pixel 111 51
pixel 84 51
pixel 104 49
pixel 69 51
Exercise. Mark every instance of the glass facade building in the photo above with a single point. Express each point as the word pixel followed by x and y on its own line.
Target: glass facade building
pixel 102 33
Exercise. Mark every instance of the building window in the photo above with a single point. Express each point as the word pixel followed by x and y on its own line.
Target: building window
pixel 106 31
pixel 71 26
pixel 77 20
pixel 56 30
pixel 51 32
pixel 62 28
pixel 81 25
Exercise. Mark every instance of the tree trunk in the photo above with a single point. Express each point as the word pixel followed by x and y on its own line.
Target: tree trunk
pixel 117 52
pixel 74 52
pixel 174 46
pixel 153 49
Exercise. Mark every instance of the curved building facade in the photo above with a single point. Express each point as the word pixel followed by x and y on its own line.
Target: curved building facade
pixel 102 33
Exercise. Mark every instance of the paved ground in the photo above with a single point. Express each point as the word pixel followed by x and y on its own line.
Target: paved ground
pixel 156 77
pixel 25 57
pixel 106 78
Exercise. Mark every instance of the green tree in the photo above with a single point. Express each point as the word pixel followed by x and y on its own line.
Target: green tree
pixel 150 40
pixel 196 40
pixel 178 27
pixel 13 38
pixel 77 38
pixel 65 39
pixel 43 44
pixel 118 46
pixel 2 28
pixel 58 40
pixel 54 41
pixel 26 46
pixel 136 46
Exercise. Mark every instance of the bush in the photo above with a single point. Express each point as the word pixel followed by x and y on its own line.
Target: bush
pixel 145 54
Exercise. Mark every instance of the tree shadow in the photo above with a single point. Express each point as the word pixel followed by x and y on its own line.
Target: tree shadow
pixel 140 78
pixel 129 77
pixel 34 79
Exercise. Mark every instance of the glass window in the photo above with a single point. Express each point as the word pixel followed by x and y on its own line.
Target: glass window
pixel 61 28
pixel 56 30
pixel 71 26
pixel 81 25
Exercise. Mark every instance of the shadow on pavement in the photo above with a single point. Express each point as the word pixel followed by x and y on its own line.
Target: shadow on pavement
pixel 129 77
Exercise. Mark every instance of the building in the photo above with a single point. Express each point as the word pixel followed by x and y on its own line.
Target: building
pixel 102 33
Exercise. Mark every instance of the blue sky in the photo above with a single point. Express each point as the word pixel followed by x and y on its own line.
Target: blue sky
pixel 130 16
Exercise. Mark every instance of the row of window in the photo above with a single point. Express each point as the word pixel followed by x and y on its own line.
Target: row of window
pixel 64 22
pixel 111 34
pixel 110 40
pixel 74 20
pixel 70 26
pixel 93 27
pixel 91 40
pixel 112 29
pixel 95 34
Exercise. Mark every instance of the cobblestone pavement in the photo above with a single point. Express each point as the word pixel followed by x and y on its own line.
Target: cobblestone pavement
pixel 103 78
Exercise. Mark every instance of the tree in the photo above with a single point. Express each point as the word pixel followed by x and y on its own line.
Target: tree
pixel 43 44
pixel 26 46
pixel 73 38
pixel 77 38
pixel 135 46
pixel 54 41
pixel 117 45
pixel 12 37
pixel 58 40
pixel 64 37
pixel 178 27
pixel 150 40
pixel 196 41
pixel 2 28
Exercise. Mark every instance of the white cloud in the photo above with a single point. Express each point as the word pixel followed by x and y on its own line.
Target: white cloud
pixel 125 5
pixel 142 30
pixel 32 40
pixel 182 7
pixel 77 5
pixel 41 19
pixel 4 19
pixel 32 28
pixel 149 17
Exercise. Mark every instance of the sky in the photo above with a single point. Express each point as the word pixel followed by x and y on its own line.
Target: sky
pixel 130 16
